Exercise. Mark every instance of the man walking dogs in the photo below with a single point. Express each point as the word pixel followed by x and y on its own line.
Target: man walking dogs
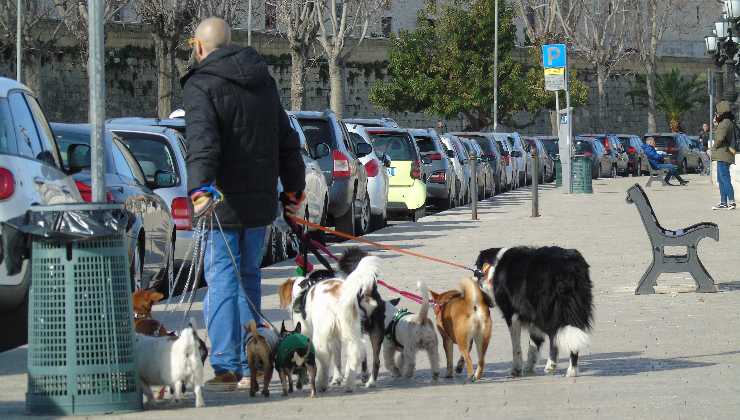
pixel 724 156
pixel 239 141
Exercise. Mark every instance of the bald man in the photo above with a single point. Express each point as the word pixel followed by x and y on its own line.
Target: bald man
pixel 239 142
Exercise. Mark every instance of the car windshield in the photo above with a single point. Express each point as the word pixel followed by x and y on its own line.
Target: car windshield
pixel 469 148
pixel 511 142
pixel 317 131
pixel 7 136
pixel 625 141
pixel 664 141
pixel 501 147
pixel 396 146
pixel 583 146
pixel 484 144
pixel 425 144
pixel 551 146
pixel 151 151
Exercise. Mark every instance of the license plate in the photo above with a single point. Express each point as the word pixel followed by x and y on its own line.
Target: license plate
pixel 391 171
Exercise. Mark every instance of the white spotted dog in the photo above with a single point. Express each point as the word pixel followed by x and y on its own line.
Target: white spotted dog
pixel 407 334
pixel 336 309
pixel 546 290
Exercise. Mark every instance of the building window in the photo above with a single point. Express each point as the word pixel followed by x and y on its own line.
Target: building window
pixel 386 25
pixel 270 16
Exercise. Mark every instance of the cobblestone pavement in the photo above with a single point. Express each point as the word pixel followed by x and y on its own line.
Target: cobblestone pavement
pixel 671 355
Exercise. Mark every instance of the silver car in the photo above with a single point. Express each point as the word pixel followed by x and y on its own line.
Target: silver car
pixel 443 183
pixel 484 170
pixel 377 177
pixel 510 159
pixel 31 173
pixel 459 158
pixel 373 122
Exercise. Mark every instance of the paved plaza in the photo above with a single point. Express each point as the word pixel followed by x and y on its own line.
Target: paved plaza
pixel 672 355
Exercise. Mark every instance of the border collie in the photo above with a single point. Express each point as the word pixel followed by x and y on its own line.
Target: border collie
pixel 548 291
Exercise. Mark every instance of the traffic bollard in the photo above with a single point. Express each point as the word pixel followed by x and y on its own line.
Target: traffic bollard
pixel 535 183
pixel 474 187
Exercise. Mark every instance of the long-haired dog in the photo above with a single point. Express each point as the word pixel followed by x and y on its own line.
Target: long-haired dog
pixel 407 334
pixel 336 309
pixel 463 318
pixel 295 292
pixel 170 362
pixel 547 290
pixel 260 349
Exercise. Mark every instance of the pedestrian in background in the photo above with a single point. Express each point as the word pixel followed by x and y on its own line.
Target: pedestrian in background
pixel 724 157
pixel 239 141
pixel 704 134
pixel 657 162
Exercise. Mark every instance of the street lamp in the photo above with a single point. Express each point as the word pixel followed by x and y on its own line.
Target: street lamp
pixel 732 8
pixel 711 43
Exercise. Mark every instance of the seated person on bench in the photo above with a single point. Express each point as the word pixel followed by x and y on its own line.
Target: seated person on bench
pixel 657 162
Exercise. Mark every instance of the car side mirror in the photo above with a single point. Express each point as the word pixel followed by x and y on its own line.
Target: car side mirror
pixel 78 157
pixel 516 154
pixel 164 179
pixel 364 149
pixel 321 150
pixel 450 154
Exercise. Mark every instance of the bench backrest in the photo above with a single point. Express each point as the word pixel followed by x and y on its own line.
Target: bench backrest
pixel 637 196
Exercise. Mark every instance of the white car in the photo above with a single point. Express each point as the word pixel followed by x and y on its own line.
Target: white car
pixel 377 177
pixel 459 158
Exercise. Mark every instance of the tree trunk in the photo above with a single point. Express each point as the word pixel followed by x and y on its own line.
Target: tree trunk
pixel 32 74
pixel 601 87
pixel 650 87
pixel 297 79
pixel 336 99
pixel 164 50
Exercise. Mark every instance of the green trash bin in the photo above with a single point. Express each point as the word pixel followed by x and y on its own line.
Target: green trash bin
pixel 558 173
pixel 581 175
pixel 80 335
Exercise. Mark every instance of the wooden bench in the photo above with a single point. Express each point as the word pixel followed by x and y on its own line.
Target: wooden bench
pixel 657 175
pixel 660 238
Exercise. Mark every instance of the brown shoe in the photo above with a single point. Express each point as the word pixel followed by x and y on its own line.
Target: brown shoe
pixel 222 382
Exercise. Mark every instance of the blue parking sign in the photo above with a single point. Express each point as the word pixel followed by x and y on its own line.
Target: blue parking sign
pixel 554 56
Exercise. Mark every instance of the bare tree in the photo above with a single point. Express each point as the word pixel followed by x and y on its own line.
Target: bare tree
pixel 39 34
pixel 74 15
pixel 339 21
pixel 297 19
pixel 601 37
pixel 228 10
pixel 651 19
pixel 168 21
pixel 541 20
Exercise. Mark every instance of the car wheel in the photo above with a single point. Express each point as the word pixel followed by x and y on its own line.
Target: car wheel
pixel 137 268
pixel 346 222
pixel 418 213
pixel 362 226
pixel 15 329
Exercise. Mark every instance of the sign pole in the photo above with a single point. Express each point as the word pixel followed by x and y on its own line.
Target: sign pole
pixel 555 64
pixel 19 41
pixel 96 72
pixel 495 67
pixel 569 138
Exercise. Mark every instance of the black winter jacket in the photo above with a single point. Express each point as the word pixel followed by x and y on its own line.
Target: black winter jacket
pixel 239 136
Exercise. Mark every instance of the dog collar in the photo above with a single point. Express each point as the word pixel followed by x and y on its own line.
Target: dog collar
pixel 140 316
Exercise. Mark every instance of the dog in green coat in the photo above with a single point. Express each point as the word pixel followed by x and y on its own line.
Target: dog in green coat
pixel 295 354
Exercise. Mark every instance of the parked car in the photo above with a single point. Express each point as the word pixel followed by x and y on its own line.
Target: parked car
pixel 492 153
pixel 152 235
pixel 484 170
pixel 616 153
pixel 546 165
pixel 177 124
pixel 442 184
pixel 459 158
pixel 590 148
pixel 511 158
pixel 408 191
pixel 346 178
pixel 377 177
pixel 678 150
pixel 372 122
pixel 31 173
pixel 523 159
pixel 638 163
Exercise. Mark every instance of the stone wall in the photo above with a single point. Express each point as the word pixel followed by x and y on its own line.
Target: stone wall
pixel 131 83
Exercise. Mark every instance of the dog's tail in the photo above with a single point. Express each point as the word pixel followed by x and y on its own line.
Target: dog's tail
pixel 422 316
pixel 471 294
pixel 572 339
pixel 350 259
pixel 252 328
pixel 285 291
pixel 361 281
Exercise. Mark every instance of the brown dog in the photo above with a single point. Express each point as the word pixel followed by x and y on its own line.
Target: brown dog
pixel 143 300
pixel 260 349
pixel 463 318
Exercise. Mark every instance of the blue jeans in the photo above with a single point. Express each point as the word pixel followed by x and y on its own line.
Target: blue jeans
pixel 726 191
pixel 225 308
pixel 672 170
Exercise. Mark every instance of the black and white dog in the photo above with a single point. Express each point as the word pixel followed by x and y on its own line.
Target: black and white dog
pixel 548 291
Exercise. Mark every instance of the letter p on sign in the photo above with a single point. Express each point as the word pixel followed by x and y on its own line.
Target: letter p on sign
pixel 554 56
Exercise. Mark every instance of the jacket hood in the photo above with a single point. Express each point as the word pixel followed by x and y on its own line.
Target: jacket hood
pixel 724 107
pixel 242 66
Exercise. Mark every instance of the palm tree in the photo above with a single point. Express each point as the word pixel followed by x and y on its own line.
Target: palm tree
pixel 675 94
